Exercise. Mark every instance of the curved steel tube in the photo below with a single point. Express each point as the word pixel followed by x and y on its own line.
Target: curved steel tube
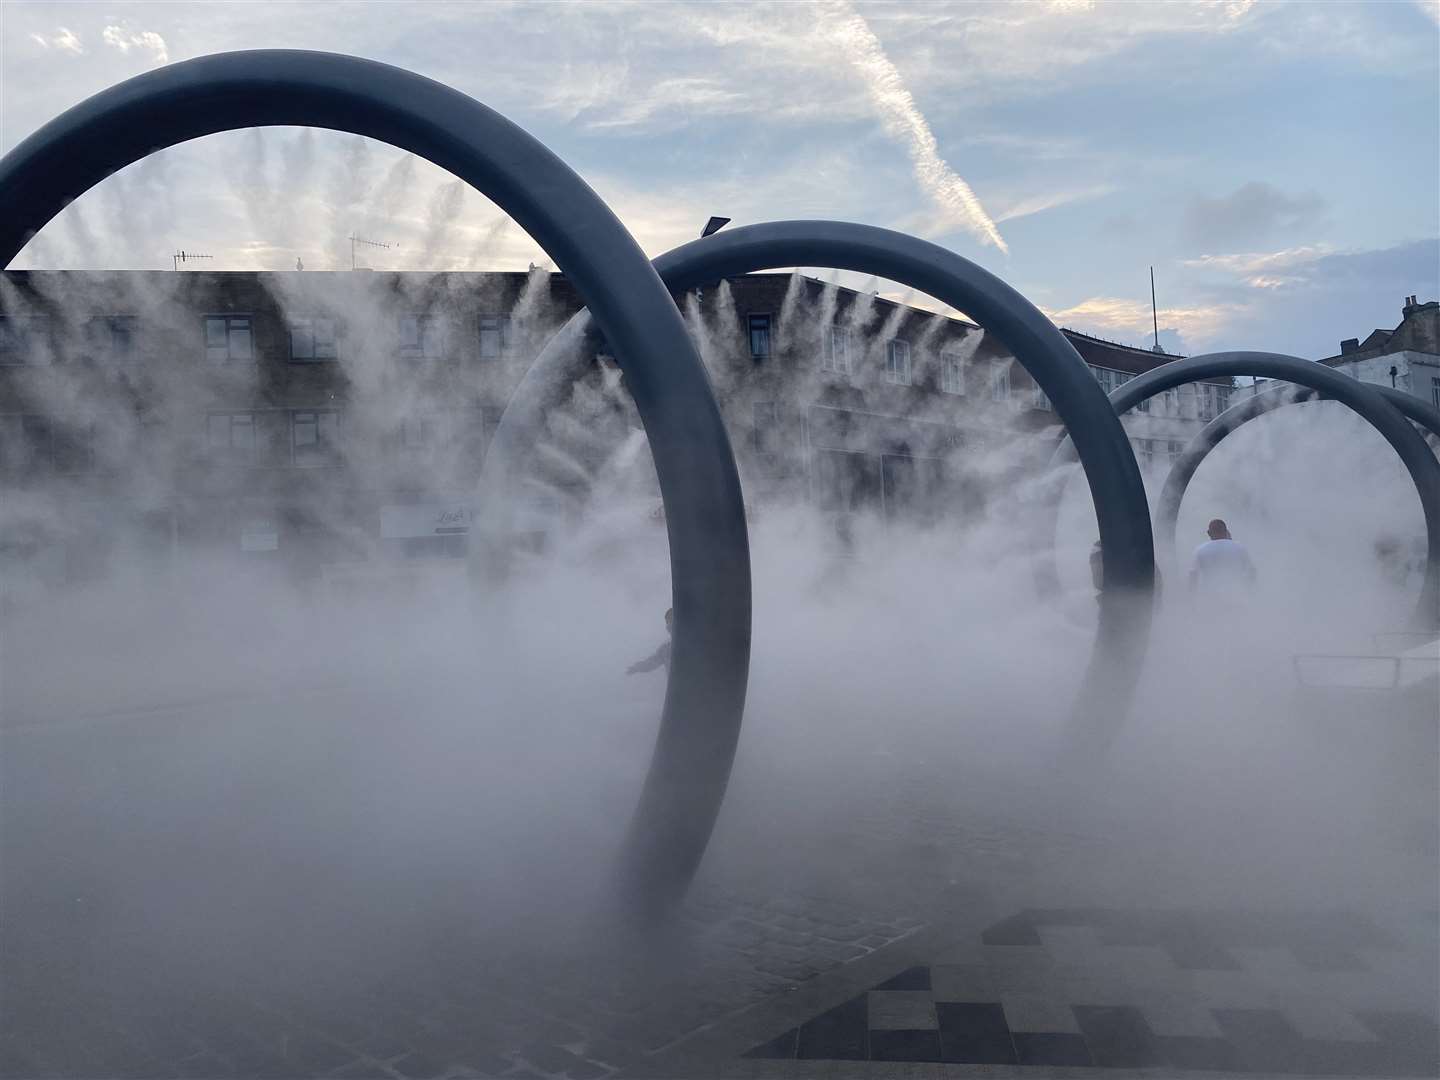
pixel 1109 463
pixel 1167 506
pixel 1363 398
pixel 709 547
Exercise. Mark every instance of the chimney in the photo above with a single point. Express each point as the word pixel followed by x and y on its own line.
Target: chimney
pixel 1412 305
pixel 1349 345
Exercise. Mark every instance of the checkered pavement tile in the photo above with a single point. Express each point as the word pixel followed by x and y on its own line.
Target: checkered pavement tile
pixel 1094 988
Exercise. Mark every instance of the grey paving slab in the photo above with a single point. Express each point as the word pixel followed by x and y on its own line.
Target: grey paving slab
pixel 1038 1012
pixel 901 1010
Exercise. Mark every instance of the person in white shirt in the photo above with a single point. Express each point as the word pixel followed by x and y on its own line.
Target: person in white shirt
pixel 1221 568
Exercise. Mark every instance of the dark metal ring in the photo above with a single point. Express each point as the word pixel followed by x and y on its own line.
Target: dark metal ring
pixel 1105 452
pixel 1167 505
pixel 704 512
pixel 1377 408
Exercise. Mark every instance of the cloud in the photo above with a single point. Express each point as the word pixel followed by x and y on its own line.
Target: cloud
pixel 904 119
pixel 1262 269
pixel 687 96
pixel 1314 303
pixel 63 40
pixel 1300 301
pixel 1430 8
pixel 1129 320
pixel 1253 211
pixel 119 37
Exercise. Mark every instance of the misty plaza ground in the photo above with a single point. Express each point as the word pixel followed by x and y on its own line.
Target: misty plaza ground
pixel 391 860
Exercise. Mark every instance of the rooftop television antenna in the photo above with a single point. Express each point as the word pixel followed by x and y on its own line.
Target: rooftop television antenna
pixel 185 256
pixel 368 243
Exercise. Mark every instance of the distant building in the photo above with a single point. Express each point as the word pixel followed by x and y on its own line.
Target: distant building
pixel 1407 358
pixel 329 420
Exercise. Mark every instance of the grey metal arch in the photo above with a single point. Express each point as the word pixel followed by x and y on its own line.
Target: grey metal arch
pixel 709 547
pixel 1363 398
pixel 1167 506
pixel 1109 463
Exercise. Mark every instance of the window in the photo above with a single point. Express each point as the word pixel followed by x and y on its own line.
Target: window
pixel 422 337
pixel 112 338
pixel 1176 449
pixel 763 415
pixel 24 339
pixel 231 437
pixel 760 337
pixel 1110 379
pixel 227 337
pixel 314 438
pixel 999 381
pixel 897 362
pixel 1170 402
pixel 495 336
pixel 1212 401
pixel 312 338
pixel 1040 400
pixel 416 438
pixel 952 372
pixel 1435 391
pixel 836 350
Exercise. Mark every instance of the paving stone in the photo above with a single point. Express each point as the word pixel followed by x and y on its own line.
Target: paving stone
pixel 974 1034
pixel 1064 939
pixel 901 1045
pixel 1412 1039
pixel 1198 1052
pixel 1263 1038
pixel 837 951
pixel 1316 1019
pixel 901 1010
pixel 973 983
pixel 313 1055
pixel 844 933
pixel 1036 1012
pixel 1043 1048
pixel 915 978
pixel 362 1069
pixel 1118 1036
pixel 418 1066
pixel 840 1034
pixel 1179 1015
pixel 780 1048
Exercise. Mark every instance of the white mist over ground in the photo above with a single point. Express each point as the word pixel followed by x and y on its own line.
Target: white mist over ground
pixel 210 769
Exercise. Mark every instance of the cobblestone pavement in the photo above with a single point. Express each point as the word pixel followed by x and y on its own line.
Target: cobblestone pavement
pixel 918 935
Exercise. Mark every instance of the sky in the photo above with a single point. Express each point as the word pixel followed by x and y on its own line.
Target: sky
pixel 1278 164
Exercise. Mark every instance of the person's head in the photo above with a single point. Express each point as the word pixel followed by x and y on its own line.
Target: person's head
pixel 670 620
pixel 1218 530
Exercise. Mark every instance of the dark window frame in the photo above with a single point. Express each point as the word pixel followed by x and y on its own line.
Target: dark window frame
pixel 761 323
pixel 233 322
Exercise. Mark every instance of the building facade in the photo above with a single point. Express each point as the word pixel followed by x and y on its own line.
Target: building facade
pixel 325 422
pixel 1406 358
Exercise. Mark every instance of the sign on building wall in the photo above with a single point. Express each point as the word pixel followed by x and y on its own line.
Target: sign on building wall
pixel 424 519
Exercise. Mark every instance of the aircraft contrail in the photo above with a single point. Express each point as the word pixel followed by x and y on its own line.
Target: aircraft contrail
pixel 905 120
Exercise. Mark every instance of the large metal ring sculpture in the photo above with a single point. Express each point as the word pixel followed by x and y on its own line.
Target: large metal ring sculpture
pixel 1104 450
pixel 709 547
pixel 1363 398
pixel 1167 505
